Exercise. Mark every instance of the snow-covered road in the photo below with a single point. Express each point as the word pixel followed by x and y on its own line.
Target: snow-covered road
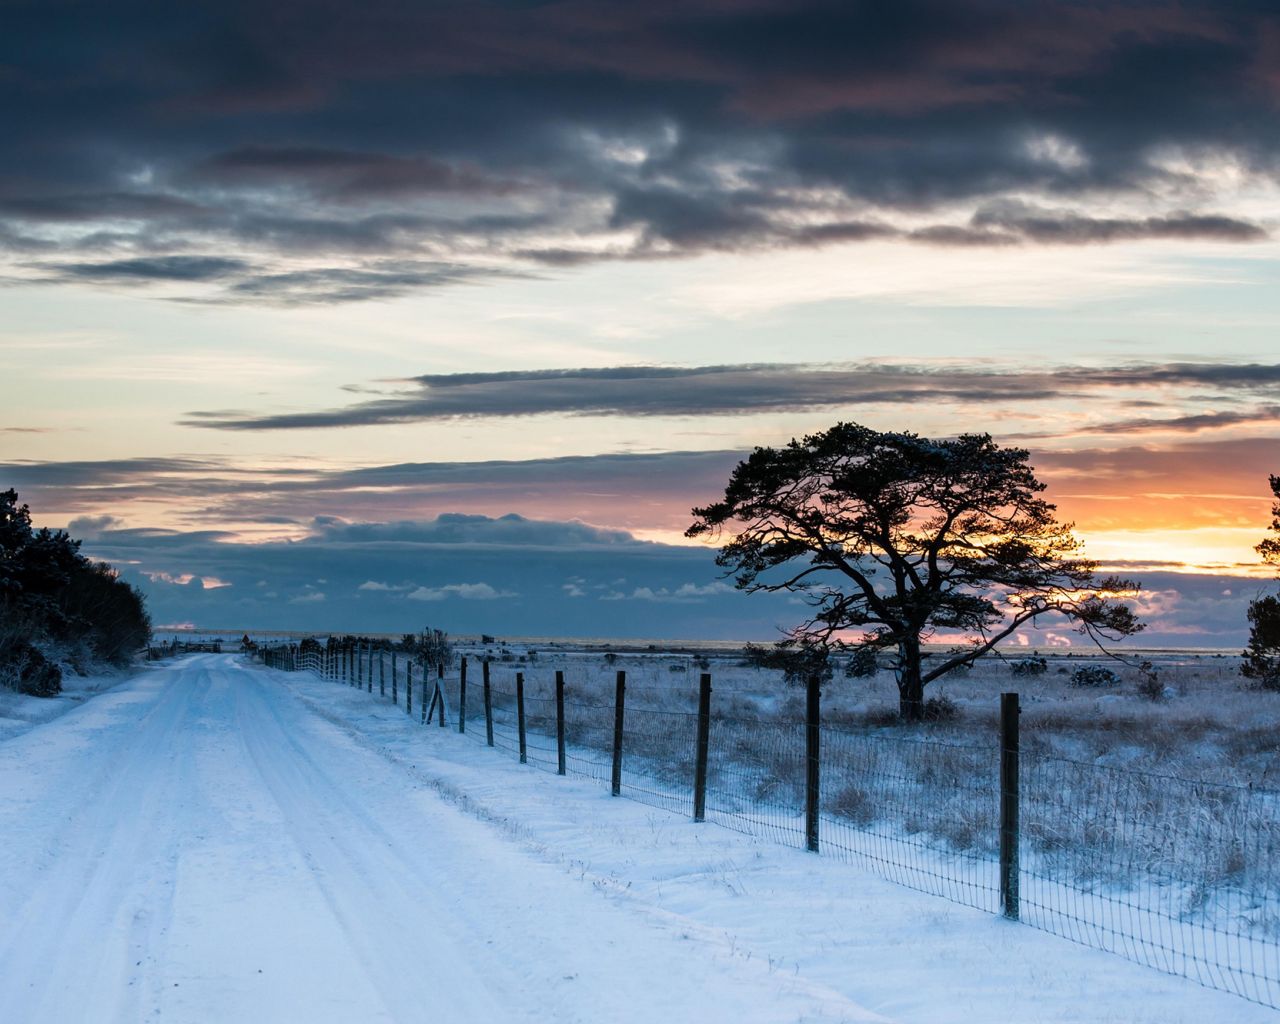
pixel 216 842
pixel 199 846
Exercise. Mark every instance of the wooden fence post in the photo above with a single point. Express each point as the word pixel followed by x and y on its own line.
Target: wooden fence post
pixel 488 706
pixel 520 715
pixel 440 690
pixel 1009 866
pixel 359 666
pixel 619 699
pixel 369 687
pixel 462 696
pixel 422 695
pixel 408 687
pixel 395 697
pixel 560 722
pixel 812 732
pixel 382 672
pixel 704 738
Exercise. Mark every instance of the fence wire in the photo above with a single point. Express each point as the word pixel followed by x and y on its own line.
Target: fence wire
pixel 1175 874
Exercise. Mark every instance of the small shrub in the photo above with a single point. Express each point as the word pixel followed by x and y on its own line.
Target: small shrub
pixel 1094 675
pixel 855 805
pixel 1151 688
pixel 30 672
pixel 861 664
pixel 1030 667
pixel 941 709
pixel 883 715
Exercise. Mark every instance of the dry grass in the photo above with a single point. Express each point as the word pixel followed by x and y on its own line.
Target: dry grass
pixel 1102 801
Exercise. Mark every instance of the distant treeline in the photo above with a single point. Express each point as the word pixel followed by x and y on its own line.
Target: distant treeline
pixel 58 607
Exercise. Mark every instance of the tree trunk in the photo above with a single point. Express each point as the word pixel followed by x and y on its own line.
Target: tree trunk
pixel 910 688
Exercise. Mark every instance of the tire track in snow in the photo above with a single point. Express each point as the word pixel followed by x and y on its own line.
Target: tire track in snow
pixel 376 888
pixel 106 889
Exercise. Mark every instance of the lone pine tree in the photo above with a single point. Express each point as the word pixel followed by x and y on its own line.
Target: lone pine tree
pixel 895 537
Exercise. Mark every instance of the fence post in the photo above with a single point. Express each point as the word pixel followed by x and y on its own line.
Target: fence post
pixel 408 687
pixel 369 687
pixel 462 696
pixel 422 695
pixel 1009 867
pixel 619 699
pixel 359 656
pixel 812 724
pixel 395 696
pixel 382 673
pixel 520 715
pixel 440 690
pixel 488 706
pixel 560 721
pixel 704 737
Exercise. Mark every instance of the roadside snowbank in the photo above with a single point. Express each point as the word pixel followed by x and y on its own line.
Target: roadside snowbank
pixel 19 712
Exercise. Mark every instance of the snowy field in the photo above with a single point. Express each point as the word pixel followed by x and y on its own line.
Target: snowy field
pixel 213 841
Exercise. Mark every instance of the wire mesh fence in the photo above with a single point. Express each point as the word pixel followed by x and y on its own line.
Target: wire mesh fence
pixel 1175 874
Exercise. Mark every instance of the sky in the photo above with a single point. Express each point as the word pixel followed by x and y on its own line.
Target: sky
pixel 367 316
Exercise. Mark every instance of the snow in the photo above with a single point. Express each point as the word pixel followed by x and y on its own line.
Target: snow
pixel 20 712
pixel 212 841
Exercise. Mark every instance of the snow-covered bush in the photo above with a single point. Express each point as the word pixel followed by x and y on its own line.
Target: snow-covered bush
pixel 1094 675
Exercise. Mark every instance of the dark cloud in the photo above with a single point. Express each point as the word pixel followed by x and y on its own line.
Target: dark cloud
pixel 1190 424
pixel 157 268
pixel 567 132
pixel 244 281
pixel 1046 226
pixel 77 208
pixel 346 175
pixel 736 389
pixel 644 490
pixel 105 472
pixel 372 281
